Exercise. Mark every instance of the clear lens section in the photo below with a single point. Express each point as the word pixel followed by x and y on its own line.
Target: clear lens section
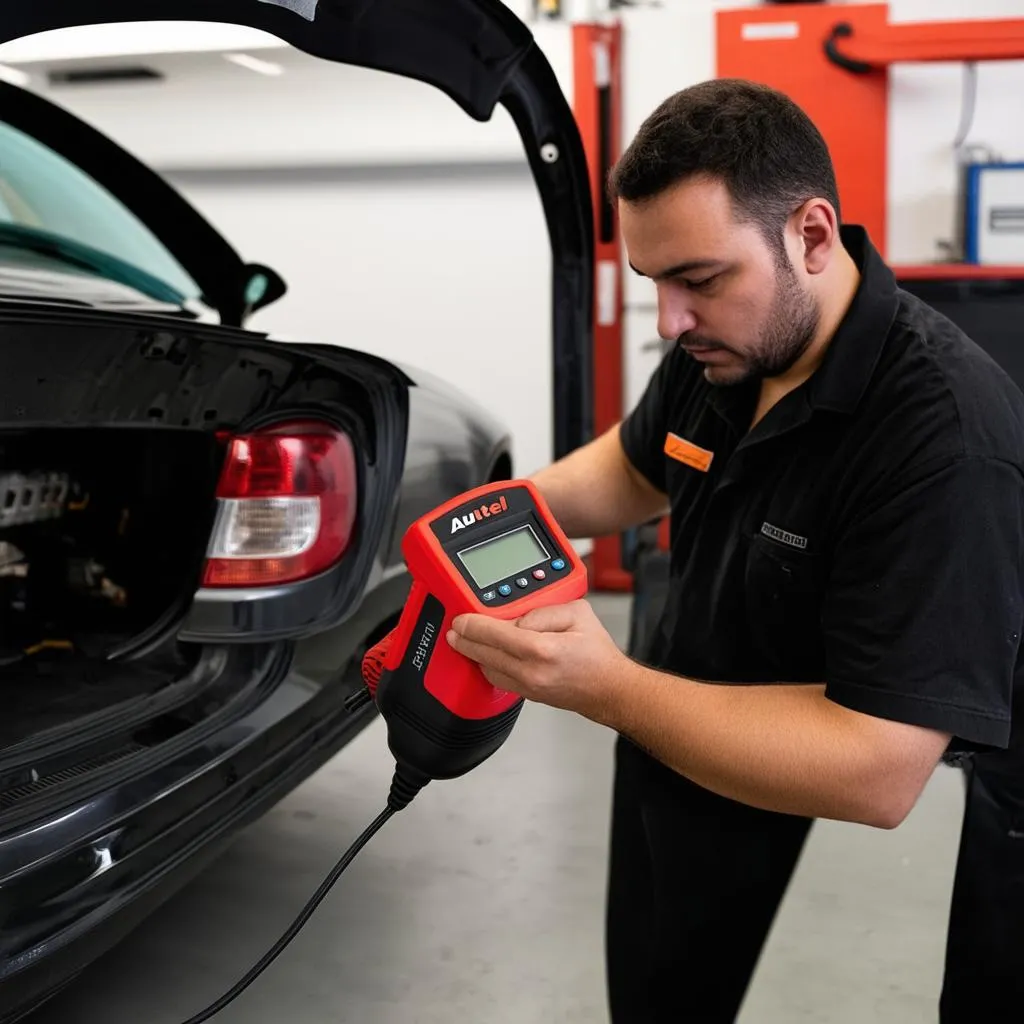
pixel 265 527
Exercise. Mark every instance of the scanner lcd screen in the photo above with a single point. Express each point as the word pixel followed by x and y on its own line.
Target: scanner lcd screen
pixel 503 556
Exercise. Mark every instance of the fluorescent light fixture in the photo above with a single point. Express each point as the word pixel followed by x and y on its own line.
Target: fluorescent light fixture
pixel 14 76
pixel 135 38
pixel 261 67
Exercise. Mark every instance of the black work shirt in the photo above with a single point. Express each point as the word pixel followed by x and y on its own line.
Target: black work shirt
pixel 867 533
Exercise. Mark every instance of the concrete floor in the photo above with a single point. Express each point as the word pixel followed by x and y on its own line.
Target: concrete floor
pixel 482 903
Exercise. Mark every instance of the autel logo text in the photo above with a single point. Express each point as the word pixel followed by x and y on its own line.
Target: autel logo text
pixel 495 508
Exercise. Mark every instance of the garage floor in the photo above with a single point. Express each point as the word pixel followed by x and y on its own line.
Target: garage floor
pixel 482 903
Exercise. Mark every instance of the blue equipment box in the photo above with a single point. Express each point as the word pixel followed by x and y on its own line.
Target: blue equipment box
pixel 994 214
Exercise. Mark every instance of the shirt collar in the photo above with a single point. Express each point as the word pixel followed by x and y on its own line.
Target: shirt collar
pixel 842 378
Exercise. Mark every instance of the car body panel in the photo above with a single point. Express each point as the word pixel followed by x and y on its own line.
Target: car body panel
pixel 103 864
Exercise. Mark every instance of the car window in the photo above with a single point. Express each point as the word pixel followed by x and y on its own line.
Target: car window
pixel 41 191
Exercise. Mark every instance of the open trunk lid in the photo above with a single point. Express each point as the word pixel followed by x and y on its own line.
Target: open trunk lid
pixel 476 51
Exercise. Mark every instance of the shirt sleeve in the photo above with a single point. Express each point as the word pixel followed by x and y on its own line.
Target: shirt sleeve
pixel 924 604
pixel 643 431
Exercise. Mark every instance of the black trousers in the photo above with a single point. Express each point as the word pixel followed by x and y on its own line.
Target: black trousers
pixel 984 970
pixel 695 881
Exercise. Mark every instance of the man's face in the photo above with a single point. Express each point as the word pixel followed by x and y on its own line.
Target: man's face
pixel 722 291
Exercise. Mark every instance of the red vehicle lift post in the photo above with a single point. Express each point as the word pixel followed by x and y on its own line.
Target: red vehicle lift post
pixel 597 103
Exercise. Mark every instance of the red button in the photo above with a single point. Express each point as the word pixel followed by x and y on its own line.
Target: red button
pixel 538 574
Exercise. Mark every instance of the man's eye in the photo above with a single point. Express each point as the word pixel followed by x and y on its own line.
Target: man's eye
pixel 705 283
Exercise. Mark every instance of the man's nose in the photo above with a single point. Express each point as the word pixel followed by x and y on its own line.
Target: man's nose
pixel 675 317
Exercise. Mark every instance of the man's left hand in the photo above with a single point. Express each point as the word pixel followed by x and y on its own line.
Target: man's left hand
pixel 560 655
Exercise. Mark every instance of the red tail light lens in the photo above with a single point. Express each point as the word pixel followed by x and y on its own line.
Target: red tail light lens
pixel 286 506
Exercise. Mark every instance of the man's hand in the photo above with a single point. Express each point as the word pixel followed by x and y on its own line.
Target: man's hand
pixel 785 748
pixel 560 655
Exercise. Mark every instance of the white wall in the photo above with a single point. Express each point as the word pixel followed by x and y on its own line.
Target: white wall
pixel 446 272
pixel 210 113
pixel 423 268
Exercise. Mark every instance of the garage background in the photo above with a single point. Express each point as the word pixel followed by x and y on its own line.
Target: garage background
pixel 403 226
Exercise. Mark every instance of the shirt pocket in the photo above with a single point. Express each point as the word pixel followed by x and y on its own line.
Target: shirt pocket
pixel 784 595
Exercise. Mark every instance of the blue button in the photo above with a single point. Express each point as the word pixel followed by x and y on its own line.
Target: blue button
pixel 490 595
pixel 504 590
pixel 558 564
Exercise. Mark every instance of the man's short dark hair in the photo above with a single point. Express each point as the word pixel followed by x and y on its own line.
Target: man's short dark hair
pixel 756 140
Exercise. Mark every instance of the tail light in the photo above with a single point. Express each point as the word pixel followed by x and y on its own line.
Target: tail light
pixel 286 506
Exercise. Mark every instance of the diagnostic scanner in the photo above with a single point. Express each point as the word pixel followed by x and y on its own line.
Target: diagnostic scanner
pixel 495 550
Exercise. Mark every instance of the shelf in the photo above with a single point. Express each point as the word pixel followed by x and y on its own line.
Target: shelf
pixel 925 42
pixel 957 272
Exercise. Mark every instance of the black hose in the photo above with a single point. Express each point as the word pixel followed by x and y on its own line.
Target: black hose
pixel 404 787
pixel 843 30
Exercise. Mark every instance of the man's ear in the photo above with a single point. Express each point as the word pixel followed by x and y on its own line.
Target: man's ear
pixel 817 232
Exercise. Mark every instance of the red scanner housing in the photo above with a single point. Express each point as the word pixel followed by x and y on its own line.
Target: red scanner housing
pixel 495 550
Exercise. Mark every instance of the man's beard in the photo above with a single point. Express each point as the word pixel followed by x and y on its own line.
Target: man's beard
pixel 787 332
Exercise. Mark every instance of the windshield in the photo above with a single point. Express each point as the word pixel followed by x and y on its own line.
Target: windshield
pixel 48 205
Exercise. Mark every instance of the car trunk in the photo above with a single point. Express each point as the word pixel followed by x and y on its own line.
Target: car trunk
pixel 103 532
pixel 114 430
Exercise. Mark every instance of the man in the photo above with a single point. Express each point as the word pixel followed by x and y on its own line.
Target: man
pixel 844 474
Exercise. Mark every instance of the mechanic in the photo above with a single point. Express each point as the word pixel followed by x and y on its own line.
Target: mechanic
pixel 843 469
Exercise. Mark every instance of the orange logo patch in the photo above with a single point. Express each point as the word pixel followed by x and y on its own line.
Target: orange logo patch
pixel 688 453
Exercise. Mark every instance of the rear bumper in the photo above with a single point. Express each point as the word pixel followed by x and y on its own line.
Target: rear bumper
pixel 100 866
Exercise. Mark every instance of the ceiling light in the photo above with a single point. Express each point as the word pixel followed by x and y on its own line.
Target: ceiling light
pixel 261 67
pixel 136 39
pixel 14 76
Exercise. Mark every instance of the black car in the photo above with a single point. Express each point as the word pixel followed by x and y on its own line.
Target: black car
pixel 200 524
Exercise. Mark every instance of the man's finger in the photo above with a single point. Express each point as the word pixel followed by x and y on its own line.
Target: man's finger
pixel 497 633
pixel 490 658
pixel 555 618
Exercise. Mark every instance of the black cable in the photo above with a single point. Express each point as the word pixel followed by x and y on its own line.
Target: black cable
pixel 404 787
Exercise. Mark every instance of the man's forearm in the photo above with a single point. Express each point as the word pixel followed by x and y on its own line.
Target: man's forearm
pixel 594 491
pixel 785 748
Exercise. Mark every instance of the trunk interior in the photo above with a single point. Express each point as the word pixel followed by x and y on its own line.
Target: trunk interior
pixel 103 532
